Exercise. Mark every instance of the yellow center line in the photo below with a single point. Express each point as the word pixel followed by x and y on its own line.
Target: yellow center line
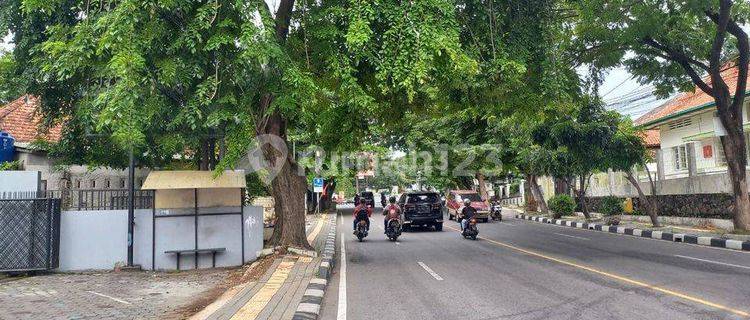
pixel 311 237
pixel 618 277
pixel 255 305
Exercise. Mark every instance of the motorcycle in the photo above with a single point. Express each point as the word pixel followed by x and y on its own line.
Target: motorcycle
pixel 361 230
pixel 471 230
pixel 496 211
pixel 393 231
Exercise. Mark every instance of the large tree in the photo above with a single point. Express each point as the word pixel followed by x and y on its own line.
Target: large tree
pixel 202 79
pixel 627 151
pixel 680 45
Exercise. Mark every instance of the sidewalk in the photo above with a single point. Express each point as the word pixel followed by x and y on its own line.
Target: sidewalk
pixel 279 291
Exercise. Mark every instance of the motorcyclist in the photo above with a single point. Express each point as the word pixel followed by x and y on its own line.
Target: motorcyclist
pixel 362 206
pixel 467 212
pixel 392 211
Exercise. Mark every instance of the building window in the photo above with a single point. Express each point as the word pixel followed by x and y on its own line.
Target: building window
pixel 681 123
pixel 680 157
pixel 122 183
pixel 78 183
pixel 107 184
pixel 44 185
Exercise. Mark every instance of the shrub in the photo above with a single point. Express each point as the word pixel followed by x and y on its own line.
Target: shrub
pixel 561 205
pixel 611 207
pixel 11 165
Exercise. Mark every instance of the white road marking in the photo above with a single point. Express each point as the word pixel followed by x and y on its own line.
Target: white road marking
pixel 341 315
pixel 108 297
pixel 569 236
pixel 714 262
pixel 432 273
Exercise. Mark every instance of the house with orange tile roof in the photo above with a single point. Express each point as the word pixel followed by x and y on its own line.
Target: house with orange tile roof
pixel 21 118
pixel 689 130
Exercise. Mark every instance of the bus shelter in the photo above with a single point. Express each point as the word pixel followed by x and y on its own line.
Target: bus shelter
pixel 197 215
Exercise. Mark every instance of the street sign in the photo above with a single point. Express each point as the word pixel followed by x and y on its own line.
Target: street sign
pixel 317 184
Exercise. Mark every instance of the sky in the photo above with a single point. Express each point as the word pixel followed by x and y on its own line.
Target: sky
pixel 621 92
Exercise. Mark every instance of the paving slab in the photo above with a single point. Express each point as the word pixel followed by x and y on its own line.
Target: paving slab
pixel 278 292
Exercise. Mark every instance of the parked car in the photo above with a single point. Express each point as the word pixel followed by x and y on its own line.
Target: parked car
pixel 421 209
pixel 369 198
pixel 455 201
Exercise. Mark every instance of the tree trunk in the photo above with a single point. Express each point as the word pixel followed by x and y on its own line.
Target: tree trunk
pixel 482 186
pixel 529 199
pixel 734 149
pixel 581 192
pixel 645 202
pixel 536 191
pixel 288 189
pixel 288 193
pixel 561 186
pixel 204 161
pixel 651 182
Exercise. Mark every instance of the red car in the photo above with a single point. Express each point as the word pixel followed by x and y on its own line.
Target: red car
pixel 454 201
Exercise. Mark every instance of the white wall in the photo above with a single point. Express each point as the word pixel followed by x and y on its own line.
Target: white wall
pixel 97 239
pixel 19 181
pixel 93 239
pixel 701 123
pixel 53 176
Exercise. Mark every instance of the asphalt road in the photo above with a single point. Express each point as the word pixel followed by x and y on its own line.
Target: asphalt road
pixel 525 270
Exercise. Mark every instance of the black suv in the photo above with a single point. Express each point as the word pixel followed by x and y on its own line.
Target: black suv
pixel 369 198
pixel 422 209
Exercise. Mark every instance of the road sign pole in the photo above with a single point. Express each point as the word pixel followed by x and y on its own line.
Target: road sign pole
pixel 318 189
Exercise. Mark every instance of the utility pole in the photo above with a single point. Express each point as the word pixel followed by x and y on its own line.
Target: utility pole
pixel 131 205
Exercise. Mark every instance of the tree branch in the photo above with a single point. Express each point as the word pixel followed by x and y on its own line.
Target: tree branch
pixel 721 20
pixel 743 46
pixel 283 17
pixel 683 60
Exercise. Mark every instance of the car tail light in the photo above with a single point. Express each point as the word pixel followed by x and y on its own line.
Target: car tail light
pixel 436 206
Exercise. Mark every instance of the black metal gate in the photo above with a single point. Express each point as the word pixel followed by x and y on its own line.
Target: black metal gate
pixel 29 234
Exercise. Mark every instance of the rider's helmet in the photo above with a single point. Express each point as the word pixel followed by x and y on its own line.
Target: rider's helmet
pixel 392 199
pixel 467 202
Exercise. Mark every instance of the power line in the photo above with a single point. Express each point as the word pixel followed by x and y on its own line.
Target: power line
pixel 617 86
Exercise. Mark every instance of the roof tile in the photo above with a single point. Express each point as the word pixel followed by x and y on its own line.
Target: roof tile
pixel 687 100
pixel 23 121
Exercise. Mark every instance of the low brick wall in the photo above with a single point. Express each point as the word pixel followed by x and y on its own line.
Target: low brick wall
pixel 712 205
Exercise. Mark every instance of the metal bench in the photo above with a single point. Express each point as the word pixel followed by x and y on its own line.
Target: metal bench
pixel 196 252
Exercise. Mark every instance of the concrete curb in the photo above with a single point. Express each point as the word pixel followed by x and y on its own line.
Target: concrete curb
pixel 659 235
pixel 309 307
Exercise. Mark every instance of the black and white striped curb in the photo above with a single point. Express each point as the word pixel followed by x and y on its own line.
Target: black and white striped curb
pixel 659 235
pixel 312 299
